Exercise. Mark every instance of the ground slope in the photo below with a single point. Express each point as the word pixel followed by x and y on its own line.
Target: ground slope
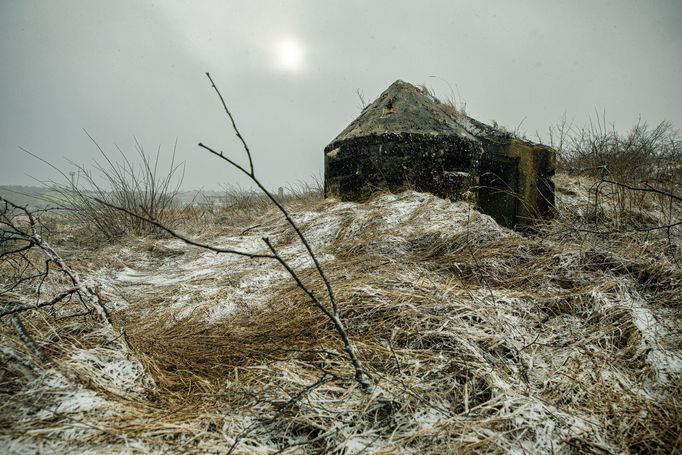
pixel 478 338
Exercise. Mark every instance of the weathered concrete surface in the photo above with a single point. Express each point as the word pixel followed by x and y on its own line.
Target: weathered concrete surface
pixel 446 167
pixel 520 189
pixel 403 109
pixel 537 165
pixel 409 139
pixel 404 139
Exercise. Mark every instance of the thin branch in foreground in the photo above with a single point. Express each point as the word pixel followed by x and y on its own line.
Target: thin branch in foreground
pixel 14 309
pixel 360 374
pixel 20 328
pixel 334 313
pixel 28 366
pixel 290 221
pixel 185 239
pixel 234 125
pixel 648 189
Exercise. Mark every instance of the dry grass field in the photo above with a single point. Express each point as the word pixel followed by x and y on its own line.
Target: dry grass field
pixel 476 338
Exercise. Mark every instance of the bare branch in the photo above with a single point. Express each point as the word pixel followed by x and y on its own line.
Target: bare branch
pixel 32 234
pixel 18 250
pixel 647 189
pixel 360 374
pixel 14 308
pixel 26 338
pixel 332 314
pixel 234 125
pixel 250 229
pixel 298 281
pixel 186 239
pixel 291 222
pixel 27 365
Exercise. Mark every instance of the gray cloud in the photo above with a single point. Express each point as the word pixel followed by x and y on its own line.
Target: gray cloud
pixel 130 68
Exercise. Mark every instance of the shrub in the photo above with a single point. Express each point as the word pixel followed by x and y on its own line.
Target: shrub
pixel 643 153
pixel 635 172
pixel 140 186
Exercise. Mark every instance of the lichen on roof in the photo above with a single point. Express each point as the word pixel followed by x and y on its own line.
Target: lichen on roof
pixel 403 109
pixel 406 110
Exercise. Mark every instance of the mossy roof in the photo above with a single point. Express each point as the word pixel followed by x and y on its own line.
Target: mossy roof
pixel 404 109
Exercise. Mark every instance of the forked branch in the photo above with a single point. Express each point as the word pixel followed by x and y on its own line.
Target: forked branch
pixel 16 307
pixel 331 311
pixel 31 235
pixel 234 125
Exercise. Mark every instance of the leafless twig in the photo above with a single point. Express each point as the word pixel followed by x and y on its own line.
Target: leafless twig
pixel 31 235
pixel 26 337
pixel 647 189
pixel 283 409
pixel 15 307
pixel 331 311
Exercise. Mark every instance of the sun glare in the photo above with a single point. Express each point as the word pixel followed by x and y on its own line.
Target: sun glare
pixel 290 54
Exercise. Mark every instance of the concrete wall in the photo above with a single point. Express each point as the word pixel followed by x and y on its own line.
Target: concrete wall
pixel 511 180
pixel 498 188
pixel 446 167
pixel 537 165
pixel 516 185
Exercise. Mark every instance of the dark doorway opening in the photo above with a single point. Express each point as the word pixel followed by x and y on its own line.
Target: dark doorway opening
pixel 498 189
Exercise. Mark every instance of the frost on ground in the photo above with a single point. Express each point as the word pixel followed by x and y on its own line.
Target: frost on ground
pixel 477 338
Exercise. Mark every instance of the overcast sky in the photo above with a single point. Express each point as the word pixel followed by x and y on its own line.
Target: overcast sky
pixel 289 71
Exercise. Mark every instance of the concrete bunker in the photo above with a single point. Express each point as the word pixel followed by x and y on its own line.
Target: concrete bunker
pixel 408 139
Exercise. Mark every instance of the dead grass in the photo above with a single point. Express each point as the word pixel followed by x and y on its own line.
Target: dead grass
pixel 479 339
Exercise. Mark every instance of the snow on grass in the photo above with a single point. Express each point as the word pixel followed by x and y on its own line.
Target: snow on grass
pixel 477 323
pixel 546 426
pixel 67 398
pixel 220 283
pixel 665 363
pixel 112 370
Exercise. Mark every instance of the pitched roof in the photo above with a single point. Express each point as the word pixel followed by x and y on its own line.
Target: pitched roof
pixel 404 109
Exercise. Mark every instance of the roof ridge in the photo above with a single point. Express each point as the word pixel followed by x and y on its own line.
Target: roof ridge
pixel 403 108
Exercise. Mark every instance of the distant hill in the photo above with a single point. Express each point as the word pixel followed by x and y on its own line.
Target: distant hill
pixel 31 196
pixel 40 196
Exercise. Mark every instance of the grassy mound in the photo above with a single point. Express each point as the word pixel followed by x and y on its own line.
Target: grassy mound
pixel 478 338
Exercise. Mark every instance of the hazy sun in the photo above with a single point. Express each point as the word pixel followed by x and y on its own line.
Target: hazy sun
pixel 290 54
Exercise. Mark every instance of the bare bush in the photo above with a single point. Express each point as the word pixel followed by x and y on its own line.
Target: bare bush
pixel 244 204
pixel 643 153
pixel 140 186
pixel 27 261
pixel 636 174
